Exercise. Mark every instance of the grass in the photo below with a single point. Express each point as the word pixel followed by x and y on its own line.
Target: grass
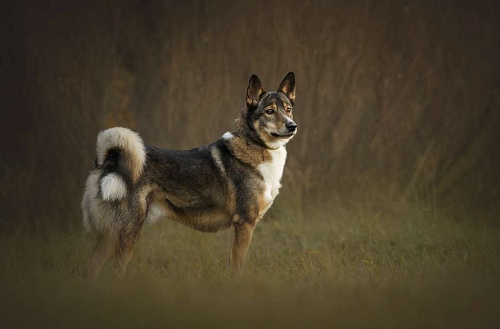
pixel 404 269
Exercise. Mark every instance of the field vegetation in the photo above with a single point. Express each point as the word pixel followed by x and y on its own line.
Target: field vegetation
pixel 403 270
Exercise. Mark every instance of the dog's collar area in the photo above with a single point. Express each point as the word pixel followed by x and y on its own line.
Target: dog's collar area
pixel 250 140
pixel 275 149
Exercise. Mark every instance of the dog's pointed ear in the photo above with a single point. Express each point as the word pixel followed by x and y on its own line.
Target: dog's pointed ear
pixel 254 91
pixel 287 86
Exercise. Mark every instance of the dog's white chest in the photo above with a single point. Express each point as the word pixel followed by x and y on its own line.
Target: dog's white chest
pixel 272 172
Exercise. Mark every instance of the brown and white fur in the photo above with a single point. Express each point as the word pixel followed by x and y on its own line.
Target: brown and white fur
pixel 231 182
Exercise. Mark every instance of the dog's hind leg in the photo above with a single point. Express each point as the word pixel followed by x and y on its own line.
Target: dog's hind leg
pixel 103 249
pixel 126 244
pixel 133 218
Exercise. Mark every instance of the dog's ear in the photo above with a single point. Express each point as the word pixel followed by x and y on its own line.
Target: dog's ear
pixel 287 86
pixel 254 91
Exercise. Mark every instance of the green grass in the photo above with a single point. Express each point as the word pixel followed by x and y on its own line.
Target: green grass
pixel 406 269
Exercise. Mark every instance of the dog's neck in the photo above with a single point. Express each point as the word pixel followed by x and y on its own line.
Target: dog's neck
pixel 246 149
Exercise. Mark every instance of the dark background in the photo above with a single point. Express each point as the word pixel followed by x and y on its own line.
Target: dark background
pixel 397 101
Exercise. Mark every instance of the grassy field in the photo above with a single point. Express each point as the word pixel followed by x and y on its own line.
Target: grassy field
pixel 404 269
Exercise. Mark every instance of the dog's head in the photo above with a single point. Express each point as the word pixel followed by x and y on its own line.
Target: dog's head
pixel 268 116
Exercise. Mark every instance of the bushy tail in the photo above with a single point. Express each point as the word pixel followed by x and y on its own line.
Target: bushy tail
pixel 120 157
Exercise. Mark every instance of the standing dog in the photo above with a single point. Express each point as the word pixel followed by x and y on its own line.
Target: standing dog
pixel 231 182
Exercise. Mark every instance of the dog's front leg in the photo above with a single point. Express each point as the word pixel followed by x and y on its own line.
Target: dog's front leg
pixel 243 232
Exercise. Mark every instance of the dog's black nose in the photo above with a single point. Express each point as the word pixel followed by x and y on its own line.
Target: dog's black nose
pixel 291 126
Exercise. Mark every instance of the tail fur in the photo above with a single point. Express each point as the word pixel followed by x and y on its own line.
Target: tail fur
pixel 121 157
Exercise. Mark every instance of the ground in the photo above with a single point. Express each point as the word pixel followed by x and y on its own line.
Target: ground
pixel 400 269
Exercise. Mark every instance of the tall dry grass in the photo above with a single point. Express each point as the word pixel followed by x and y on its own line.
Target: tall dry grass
pixel 397 102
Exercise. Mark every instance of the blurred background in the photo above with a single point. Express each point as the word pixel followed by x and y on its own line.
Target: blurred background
pixel 397 101
pixel 388 216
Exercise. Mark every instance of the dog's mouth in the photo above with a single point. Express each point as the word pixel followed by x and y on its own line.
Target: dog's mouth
pixel 276 135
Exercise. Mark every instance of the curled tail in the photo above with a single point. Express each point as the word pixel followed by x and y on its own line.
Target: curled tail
pixel 120 157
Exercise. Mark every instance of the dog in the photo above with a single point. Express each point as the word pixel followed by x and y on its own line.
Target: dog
pixel 229 183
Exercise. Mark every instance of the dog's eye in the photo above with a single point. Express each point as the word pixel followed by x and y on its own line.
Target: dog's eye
pixel 269 111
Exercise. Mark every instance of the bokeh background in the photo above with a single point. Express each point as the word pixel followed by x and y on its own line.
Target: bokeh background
pixel 398 108
pixel 396 100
